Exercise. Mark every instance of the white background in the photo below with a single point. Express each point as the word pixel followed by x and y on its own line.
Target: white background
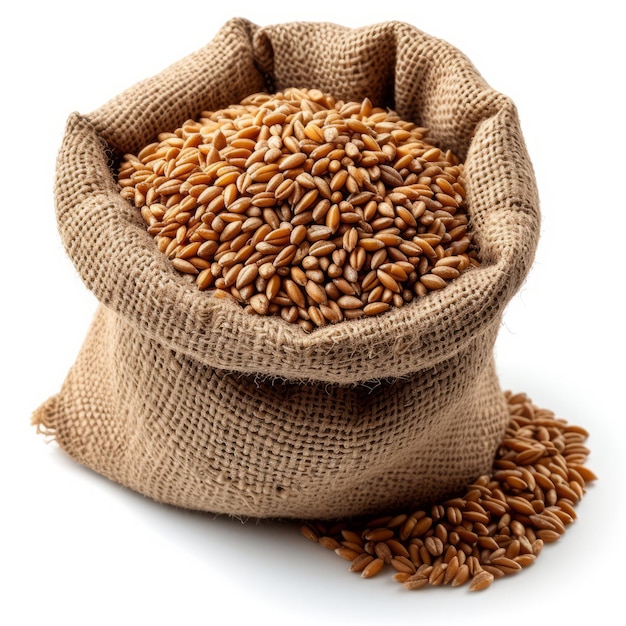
pixel 77 549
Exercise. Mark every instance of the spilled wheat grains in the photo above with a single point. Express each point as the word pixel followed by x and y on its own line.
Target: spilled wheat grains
pixel 304 206
pixel 495 528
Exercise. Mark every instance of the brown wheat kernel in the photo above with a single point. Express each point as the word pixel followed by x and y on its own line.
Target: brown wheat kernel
pixel 276 179
pixel 481 581
pixel 372 568
pixel 401 577
pixel 329 543
pixel 309 533
pixel 452 570
pixel 402 564
pixel 422 526
pixel 346 553
pixel 350 535
pixel 496 572
pixel 461 576
pixel 495 528
pixel 548 536
pixel 525 559
pixel 383 551
pixel 351 545
pixel 506 565
pixel 378 534
pixel 437 576
pixel 397 548
pixel 434 545
pixel 416 581
pixel 407 528
pixel 360 562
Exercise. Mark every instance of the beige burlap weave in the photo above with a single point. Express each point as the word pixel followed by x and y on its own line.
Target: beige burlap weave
pixel 190 401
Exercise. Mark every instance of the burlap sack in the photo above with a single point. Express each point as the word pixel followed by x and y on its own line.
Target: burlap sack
pixel 190 401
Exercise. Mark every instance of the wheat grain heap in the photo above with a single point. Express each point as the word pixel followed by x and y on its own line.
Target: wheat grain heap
pixel 495 527
pixel 300 205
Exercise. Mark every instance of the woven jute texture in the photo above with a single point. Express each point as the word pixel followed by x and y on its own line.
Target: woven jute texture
pixel 187 399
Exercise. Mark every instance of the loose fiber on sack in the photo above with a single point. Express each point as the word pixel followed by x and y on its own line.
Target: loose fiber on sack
pixel 187 399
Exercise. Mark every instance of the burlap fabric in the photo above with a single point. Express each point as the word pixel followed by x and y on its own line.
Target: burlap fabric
pixel 190 401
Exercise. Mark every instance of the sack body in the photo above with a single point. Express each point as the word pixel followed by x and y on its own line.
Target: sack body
pixel 187 399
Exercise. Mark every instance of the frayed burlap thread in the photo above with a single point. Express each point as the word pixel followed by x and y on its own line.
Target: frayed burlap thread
pixel 187 399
